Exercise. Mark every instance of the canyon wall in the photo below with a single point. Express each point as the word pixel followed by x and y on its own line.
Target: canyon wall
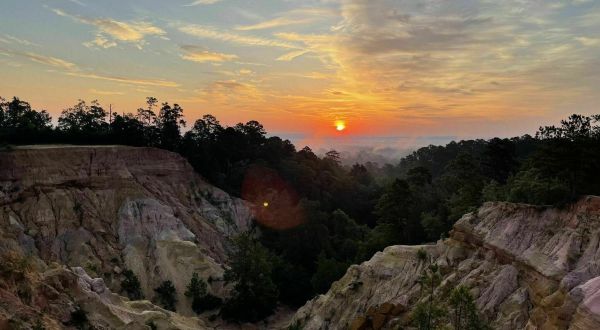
pixel 82 213
pixel 527 267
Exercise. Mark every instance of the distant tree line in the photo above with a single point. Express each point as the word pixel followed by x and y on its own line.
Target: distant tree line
pixel 335 215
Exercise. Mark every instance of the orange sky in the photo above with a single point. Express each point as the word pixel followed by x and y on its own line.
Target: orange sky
pixel 387 68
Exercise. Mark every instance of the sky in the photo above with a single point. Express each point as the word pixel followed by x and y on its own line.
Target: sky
pixel 397 73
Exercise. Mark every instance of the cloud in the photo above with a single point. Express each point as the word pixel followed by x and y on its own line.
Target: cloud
pixel 42 59
pixel 111 31
pixel 212 33
pixel 201 2
pixel 230 91
pixel 126 80
pixel 78 3
pixel 445 55
pixel 100 92
pixel 200 55
pixel 292 17
pixel 273 23
pixel 72 69
pixel 7 38
pixel 292 55
pixel 588 41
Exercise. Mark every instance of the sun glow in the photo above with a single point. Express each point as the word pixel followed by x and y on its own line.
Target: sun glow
pixel 340 125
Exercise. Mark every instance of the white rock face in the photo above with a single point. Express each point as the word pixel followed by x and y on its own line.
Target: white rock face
pixel 109 208
pixel 528 268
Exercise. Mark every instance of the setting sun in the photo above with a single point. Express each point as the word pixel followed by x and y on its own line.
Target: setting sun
pixel 340 125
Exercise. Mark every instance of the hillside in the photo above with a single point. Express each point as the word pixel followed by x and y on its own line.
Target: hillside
pixel 72 215
pixel 527 267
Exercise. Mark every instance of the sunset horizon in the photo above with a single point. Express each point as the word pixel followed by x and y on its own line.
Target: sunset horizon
pixel 463 69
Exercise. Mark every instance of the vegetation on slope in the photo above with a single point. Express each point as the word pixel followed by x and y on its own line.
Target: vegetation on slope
pixel 317 217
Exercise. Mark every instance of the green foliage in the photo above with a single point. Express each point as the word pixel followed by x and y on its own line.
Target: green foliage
pixel 20 124
pixel 84 119
pixel 328 271
pixel 131 285
pixel 435 310
pixel 201 300
pixel 166 295
pixel 433 225
pixel 465 315
pixel 209 302
pixel 494 191
pixel 333 215
pixel 196 287
pixel 422 255
pixel 399 208
pixel 530 186
pixel 380 237
pixel 429 316
pixel 254 294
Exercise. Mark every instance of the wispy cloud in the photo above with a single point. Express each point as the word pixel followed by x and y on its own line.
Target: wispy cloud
pixel 72 69
pixel 215 34
pixel 292 17
pixel 292 55
pixel 111 31
pixel 7 38
pixel 201 2
pixel 126 80
pixel 201 55
pixel 78 3
pixel 41 59
pixel 101 92
pixel 273 23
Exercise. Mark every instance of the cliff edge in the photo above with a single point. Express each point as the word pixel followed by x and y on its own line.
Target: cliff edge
pixel 527 267
pixel 72 218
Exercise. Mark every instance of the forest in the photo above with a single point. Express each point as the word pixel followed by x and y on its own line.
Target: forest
pixel 318 216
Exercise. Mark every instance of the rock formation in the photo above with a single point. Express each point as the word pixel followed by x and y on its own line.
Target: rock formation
pixel 528 267
pixel 73 218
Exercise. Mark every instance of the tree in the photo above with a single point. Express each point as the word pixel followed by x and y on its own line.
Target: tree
pixel 398 208
pixel 201 299
pixel 499 159
pixel 465 315
pixel 169 123
pixel 360 173
pixel 147 116
pixel 83 119
pixel 429 314
pixel 533 187
pixel 131 285
pixel 129 130
pixel 569 153
pixel 463 183
pixel 166 295
pixel 20 124
pixel 328 271
pixel 333 156
pixel 254 294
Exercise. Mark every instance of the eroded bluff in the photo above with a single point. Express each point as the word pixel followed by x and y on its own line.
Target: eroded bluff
pixel 72 215
pixel 527 267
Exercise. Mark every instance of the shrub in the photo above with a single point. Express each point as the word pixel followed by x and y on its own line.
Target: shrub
pixel 166 295
pixel 131 285
pixel 531 187
pixel 79 319
pixel 201 300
